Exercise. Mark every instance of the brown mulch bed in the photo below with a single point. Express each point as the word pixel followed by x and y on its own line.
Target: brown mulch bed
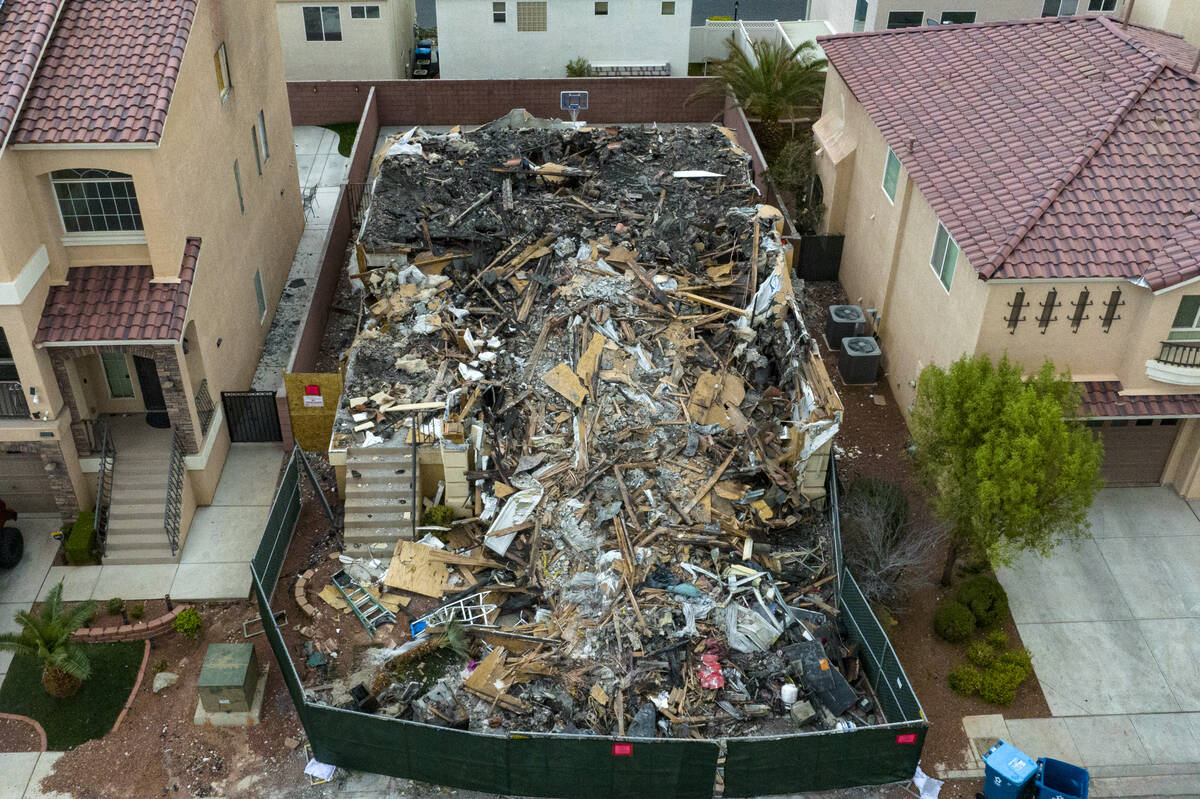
pixel 873 440
pixel 19 736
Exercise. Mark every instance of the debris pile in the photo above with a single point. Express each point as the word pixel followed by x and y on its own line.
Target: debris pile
pixel 594 342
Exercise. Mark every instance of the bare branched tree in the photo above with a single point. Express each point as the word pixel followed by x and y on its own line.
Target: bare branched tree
pixel 889 554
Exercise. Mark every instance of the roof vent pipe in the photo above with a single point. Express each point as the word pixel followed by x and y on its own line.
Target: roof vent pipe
pixel 1128 13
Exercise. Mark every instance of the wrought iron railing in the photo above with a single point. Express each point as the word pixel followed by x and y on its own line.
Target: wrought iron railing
pixel 1179 353
pixel 174 507
pixel 104 478
pixel 204 407
pixel 12 400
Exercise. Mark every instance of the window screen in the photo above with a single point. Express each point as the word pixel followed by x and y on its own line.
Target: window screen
pixel 531 16
pixel 891 174
pixel 905 19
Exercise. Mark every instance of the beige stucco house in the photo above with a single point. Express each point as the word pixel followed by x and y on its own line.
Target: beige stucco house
pixel 338 40
pixel 151 211
pixel 1029 188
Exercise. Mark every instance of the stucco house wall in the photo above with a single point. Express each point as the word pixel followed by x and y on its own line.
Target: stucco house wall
pixel 370 49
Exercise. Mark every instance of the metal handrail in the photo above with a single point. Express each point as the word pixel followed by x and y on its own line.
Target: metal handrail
pixel 1179 353
pixel 174 504
pixel 104 479
pixel 835 522
pixel 416 506
pixel 205 408
pixel 12 400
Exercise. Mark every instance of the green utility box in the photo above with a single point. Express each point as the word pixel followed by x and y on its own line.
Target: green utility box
pixel 229 678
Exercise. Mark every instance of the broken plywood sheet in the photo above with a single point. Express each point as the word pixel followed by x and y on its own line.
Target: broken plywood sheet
pixel 563 380
pixel 416 568
pixel 715 393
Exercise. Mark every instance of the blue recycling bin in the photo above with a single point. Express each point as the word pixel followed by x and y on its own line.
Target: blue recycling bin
pixel 1008 772
pixel 1058 780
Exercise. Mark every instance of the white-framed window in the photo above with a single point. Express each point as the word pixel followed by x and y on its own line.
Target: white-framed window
pixel 322 24
pixel 221 62
pixel 364 12
pixel 262 151
pixel 905 19
pixel 499 12
pixel 668 8
pixel 1059 8
pixel 237 179
pixel 116 374
pixel 602 8
pixel 96 201
pixel 1102 5
pixel 945 255
pixel 260 295
pixel 1186 326
pixel 531 16
pixel 957 17
pixel 891 175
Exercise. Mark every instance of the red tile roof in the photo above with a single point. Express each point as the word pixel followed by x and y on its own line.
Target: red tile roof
pixel 108 73
pixel 1103 399
pixel 1063 147
pixel 118 303
pixel 25 27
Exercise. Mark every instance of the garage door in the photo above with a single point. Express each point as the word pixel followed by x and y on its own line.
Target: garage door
pixel 23 483
pixel 1135 450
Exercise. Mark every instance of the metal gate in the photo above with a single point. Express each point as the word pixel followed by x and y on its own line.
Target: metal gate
pixel 252 415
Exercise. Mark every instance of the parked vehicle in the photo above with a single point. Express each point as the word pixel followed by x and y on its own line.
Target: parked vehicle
pixel 425 59
pixel 12 543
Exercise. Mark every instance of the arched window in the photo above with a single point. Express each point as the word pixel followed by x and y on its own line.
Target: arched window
pixel 96 201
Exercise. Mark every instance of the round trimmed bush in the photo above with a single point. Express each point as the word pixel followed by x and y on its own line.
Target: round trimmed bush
pixel 986 599
pixel 1000 683
pixel 998 639
pixel 981 654
pixel 954 622
pixel 965 680
pixel 1018 657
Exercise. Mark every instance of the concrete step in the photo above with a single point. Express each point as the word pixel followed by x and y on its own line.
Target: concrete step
pixel 133 510
pixel 138 557
pixel 149 465
pixel 144 541
pixel 382 550
pixel 378 473
pixel 379 454
pixel 124 495
pixel 135 525
pixel 382 518
pixel 371 490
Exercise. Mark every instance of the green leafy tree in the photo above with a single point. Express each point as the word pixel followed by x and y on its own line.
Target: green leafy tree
pixel 579 68
pixel 1007 461
pixel 772 83
pixel 46 636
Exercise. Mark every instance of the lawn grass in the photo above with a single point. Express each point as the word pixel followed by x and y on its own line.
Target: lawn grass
pixel 88 714
pixel 346 132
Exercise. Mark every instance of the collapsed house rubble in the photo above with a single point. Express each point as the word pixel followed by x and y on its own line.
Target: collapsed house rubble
pixel 590 342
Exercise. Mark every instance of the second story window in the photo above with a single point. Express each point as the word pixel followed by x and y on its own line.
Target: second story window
pixel 602 9
pixel 945 255
pixel 499 12
pixel 891 175
pixel 958 17
pixel 322 24
pixel 364 12
pixel 668 8
pixel 1102 5
pixel 258 134
pixel 8 367
pixel 221 61
pixel 905 19
pixel 96 201
pixel 1186 326
pixel 531 16
pixel 1059 8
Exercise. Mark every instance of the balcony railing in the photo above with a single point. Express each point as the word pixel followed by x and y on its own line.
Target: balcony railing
pixel 204 407
pixel 1179 353
pixel 12 400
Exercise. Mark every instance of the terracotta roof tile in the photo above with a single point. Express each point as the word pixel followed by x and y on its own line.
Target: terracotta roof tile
pixel 25 27
pixel 108 73
pixel 1049 148
pixel 118 303
pixel 1103 399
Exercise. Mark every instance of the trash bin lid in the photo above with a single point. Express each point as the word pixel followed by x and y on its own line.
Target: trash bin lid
pixel 1010 763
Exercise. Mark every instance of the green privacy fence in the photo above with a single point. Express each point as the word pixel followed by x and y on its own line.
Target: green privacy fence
pixel 597 767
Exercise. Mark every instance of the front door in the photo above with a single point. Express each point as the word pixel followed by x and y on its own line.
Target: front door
pixel 147 374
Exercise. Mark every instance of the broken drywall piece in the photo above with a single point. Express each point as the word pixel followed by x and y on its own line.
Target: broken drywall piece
pixel 516 511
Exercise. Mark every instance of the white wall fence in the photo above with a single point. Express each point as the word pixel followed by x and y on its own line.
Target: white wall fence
pixel 708 41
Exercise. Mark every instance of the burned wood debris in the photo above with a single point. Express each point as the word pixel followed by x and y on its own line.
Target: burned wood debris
pixel 592 342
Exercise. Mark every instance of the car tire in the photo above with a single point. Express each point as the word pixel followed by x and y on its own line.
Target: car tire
pixel 12 547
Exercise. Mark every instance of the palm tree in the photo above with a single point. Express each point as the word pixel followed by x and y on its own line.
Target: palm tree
pixel 47 637
pixel 770 83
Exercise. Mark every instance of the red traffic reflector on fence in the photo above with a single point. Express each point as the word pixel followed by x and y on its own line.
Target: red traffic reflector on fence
pixel 312 391
pixel 622 750
pixel 907 738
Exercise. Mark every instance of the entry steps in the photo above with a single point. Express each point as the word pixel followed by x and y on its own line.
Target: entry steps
pixel 380 501
pixel 368 609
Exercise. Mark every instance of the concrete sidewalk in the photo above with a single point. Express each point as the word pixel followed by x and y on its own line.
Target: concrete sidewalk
pixel 21 772
pixel 1139 755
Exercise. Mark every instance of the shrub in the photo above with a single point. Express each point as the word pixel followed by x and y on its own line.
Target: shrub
pixel 114 606
pixel 1018 657
pixel 965 680
pixel 189 624
pixel 137 612
pixel 578 68
pixel 998 639
pixel 986 599
pixel 954 622
pixel 80 545
pixel 160 666
pixel 1000 683
pixel 981 654
pixel 438 516
pixel 887 553
pixel 884 494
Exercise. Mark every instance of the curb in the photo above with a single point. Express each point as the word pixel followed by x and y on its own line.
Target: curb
pixel 133 694
pixel 33 722
pixel 129 632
